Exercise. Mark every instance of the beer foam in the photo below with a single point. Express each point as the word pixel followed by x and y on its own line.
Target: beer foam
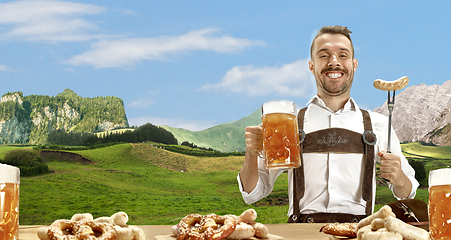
pixel 440 177
pixel 9 174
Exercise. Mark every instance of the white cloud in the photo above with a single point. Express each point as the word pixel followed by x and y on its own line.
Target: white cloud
pixel 292 79
pixel 47 20
pixel 141 103
pixel 189 124
pixel 128 51
pixel 4 68
pixel 148 100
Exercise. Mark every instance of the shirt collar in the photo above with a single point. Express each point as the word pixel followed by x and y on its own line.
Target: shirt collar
pixel 350 105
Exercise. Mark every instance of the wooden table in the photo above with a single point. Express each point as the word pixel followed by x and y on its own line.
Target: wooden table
pixel 308 231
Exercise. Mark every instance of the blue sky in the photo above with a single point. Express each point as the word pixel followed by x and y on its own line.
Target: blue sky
pixel 197 64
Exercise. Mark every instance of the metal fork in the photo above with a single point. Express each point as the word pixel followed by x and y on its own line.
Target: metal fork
pixel 407 210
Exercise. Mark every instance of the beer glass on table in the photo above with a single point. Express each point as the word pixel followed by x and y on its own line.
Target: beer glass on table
pixel 280 134
pixel 9 202
pixel 440 203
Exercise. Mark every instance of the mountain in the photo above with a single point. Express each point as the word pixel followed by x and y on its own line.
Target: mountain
pixel 422 113
pixel 226 137
pixel 29 119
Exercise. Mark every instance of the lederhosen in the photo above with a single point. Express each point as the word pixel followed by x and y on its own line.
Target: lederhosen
pixel 336 140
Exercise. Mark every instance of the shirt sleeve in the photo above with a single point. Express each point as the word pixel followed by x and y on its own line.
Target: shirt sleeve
pixel 405 166
pixel 264 186
pixel 380 128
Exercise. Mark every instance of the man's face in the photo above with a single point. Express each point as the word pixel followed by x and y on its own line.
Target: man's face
pixel 333 64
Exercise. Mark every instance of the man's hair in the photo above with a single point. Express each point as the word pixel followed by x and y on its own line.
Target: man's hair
pixel 333 30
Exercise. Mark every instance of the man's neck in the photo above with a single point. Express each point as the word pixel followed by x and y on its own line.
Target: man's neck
pixel 335 103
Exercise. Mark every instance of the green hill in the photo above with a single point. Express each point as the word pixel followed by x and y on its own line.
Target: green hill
pixel 155 186
pixel 144 181
pixel 226 137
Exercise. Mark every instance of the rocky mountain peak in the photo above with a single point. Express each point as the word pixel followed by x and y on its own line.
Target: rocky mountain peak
pixel 420 111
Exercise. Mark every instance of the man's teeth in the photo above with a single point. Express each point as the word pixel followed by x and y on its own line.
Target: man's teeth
pixel 334 75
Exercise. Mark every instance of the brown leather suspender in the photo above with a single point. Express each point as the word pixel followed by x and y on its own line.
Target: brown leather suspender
pixel 336 140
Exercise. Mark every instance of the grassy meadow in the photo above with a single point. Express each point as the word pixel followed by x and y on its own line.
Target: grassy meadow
pixel 155 186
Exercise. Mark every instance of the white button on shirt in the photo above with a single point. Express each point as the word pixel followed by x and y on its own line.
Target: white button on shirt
pixel 333 181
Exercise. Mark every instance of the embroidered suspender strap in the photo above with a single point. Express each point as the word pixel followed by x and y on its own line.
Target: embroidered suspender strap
pixel 298 173
pixel 335 140
pixel 369 138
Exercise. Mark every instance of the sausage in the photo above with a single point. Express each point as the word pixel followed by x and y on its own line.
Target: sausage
pixel 408 231
pixel 120 218
pixel 391 85
pixel 377 224
pixel 384 212
pixel 382 234
pixel 242 231
pixel 261 231
pixel 81 216
pixel 248 216
pixel 43 233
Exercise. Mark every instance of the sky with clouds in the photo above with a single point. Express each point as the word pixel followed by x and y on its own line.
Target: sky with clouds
pixel 197 64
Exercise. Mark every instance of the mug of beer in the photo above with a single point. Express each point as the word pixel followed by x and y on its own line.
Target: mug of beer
pixel 440 203
pixel 9 202
pixel 280 134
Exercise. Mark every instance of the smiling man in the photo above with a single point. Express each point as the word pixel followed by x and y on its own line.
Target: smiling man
pixel 335 183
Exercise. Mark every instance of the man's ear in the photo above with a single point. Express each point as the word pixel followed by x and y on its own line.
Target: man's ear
pixel 356 63
pixel 311 66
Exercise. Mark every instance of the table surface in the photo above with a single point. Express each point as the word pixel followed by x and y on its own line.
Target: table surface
pixel 286 231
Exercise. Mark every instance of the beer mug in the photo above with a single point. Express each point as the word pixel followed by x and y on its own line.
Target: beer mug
pixel 280 134
pixel 440 203
pixel 9 202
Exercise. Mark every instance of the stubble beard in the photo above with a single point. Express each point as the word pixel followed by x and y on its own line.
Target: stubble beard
pixel 345 86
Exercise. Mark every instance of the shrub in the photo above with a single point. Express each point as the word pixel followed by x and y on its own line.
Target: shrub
pixel 29 162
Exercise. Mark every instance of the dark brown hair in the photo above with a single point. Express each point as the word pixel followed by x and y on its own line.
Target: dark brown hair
pixel 333 30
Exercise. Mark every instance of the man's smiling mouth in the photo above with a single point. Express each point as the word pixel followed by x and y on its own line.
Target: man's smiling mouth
pixel 334 75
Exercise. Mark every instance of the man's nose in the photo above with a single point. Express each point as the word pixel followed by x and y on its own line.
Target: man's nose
pixel 333 62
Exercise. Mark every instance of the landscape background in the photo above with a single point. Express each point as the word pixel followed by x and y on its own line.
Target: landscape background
pixel 137 179
pixel 140 106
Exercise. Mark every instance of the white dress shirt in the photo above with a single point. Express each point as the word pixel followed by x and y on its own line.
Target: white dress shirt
pixel 333 181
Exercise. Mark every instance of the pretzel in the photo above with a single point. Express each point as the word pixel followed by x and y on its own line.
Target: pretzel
pixel 208 227
pixel 340 229
pixel 84 227
pixel 88 230
pixel 62 229
pixel 391 85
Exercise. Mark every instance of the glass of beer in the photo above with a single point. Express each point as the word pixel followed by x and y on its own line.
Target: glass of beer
pixel 280 134
pixel 9 202
pixel 440 203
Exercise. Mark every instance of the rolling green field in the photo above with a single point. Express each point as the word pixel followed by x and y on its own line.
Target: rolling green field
pixel 155 186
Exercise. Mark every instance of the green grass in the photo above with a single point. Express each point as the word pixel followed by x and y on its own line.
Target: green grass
pixel 148 184
pixel 122 181
pixel 6 148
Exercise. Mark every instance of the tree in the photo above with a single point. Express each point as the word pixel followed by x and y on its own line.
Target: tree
pixel 420 172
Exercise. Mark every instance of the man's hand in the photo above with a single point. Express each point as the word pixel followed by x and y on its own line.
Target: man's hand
pixel 254 146
pixel 254 140
pixel 391 170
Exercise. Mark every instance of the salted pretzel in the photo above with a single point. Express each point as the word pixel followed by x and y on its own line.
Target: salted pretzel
pixel 92 230
pixel 208 227
pixel 340 229
pixel 62 229
pixel 84 227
